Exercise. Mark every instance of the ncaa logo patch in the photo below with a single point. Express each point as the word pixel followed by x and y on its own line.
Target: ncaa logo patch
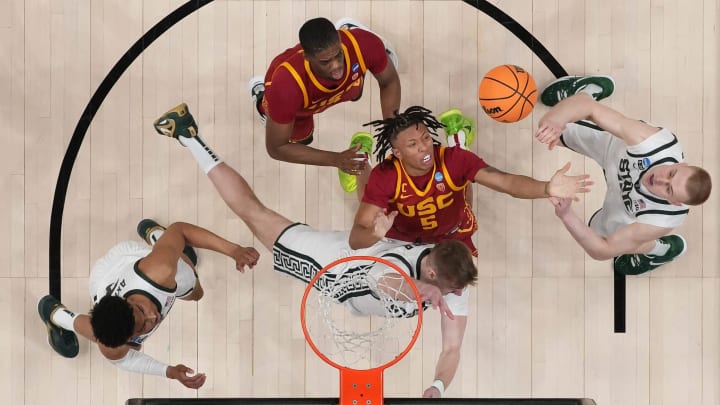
pixel 439 177
pixel 355 67
pixel 642 164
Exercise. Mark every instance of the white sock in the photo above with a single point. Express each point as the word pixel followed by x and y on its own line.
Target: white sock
pixel 205 157
pixel 660 248
pixel 591 89
pixel 64 318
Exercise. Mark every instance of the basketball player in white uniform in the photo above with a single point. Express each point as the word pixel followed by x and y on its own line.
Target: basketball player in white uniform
pixel 301 251
pixel 442 273
pixel 649 185
pixel 133 287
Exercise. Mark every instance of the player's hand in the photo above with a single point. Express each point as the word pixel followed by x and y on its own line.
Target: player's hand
pixel 245 256
pixel 350 161
pixel 186 376
pixel 562 206
pixel 383 222
pixel 549 131
pixel 564 186
pixel 429 292
pixel 432 392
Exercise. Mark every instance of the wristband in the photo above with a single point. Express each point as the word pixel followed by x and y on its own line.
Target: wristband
pixel 440 385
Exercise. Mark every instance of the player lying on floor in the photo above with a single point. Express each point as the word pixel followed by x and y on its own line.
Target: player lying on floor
pixel 442 272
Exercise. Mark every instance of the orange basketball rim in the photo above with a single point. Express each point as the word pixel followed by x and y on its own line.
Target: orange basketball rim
pixel 361 386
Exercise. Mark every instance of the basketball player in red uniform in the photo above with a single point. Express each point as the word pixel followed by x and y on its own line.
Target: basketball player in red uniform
pixel 418 193
pixel 327 67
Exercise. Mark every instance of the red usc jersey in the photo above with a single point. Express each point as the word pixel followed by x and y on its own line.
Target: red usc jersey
pixel 293 91
pixel 431 207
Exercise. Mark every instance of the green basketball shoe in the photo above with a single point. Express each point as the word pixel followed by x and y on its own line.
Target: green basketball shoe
pixel 459 129
pixel 63 341
pixel 348 182
pixel 147 227
pixel 565 87
pixel 634 264
pixel 176 123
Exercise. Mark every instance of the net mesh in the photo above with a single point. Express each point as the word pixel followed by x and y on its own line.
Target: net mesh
pixel 361 316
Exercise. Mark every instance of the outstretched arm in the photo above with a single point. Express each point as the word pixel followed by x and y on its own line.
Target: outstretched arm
pixel 519 186
pixel 632 238
pixel 134 361
pixel 279 147
pixel 582 106
pixel 371 224
pixel 161 264
pixel 452 331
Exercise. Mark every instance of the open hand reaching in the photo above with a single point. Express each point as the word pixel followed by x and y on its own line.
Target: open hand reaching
pixel 383 222
pixel 564 186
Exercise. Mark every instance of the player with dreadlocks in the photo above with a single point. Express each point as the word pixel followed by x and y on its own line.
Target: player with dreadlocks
pixel 387 130
pixel 417 194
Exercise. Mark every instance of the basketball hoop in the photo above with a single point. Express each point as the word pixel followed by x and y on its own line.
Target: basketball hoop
pixel 361 348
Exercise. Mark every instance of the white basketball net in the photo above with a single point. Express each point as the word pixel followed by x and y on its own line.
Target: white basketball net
pixel 359 321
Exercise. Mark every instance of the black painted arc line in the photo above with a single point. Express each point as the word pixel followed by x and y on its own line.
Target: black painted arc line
pixel 522 34
pixel 83 124
pixel 557 70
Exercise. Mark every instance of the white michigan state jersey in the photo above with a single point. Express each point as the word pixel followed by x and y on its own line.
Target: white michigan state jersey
pixel 301 252
pixel 407 257
pixel 117 274
pixel 627 200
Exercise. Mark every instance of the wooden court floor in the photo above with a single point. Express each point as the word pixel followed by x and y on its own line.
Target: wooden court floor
pixel 541 322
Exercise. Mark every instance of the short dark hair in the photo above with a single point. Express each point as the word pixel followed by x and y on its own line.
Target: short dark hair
pixel 698 186
pixel 454 263
pixel 317 35
pixel 112 321
pixel 387 130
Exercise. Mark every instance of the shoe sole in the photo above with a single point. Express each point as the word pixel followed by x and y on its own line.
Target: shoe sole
pixel 75 343
pixel 389 49
pixel 350 21
pixel 40 309
pixel 344 177
pixel 254 82
pixel 148 225
pixel 52 329
pixel 656 265
pixel 348 189
pixel 468 135
pixel 145 228
pixel 161 129
pixel 682 252
pixel 362 135
pixel 608 78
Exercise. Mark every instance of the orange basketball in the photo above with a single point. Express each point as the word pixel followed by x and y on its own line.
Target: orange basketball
pixel 507 93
